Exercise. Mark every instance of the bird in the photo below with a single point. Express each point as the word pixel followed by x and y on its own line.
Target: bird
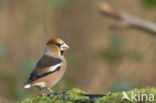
pixel 50 68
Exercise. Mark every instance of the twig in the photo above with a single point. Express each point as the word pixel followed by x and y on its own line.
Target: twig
pixel 127 20
pixel 92 97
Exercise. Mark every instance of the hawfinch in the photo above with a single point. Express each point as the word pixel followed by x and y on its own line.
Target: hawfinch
pixel 50 68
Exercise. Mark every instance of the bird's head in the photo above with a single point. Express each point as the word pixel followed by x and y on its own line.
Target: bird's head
pixel 56 46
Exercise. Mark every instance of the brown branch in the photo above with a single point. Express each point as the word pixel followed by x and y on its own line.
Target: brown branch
pixel 126 20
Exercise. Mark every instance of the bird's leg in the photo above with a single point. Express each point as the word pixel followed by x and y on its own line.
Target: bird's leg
pixel 51 91
pixel 42 93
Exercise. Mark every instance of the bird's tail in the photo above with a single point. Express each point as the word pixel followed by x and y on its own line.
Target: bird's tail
pixel 27 86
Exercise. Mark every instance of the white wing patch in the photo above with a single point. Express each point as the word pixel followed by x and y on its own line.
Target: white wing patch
pixel 40 84
pixel 53 68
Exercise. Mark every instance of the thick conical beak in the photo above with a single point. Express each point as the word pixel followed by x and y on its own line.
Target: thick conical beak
pixel 64 47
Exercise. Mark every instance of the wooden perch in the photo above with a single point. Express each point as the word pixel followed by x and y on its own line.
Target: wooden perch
pixel 126 20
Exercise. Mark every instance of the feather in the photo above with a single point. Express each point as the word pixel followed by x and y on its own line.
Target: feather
pixel 36 76
pixel 27 86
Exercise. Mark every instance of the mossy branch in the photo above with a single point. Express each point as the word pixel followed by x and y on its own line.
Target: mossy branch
pixel 78 96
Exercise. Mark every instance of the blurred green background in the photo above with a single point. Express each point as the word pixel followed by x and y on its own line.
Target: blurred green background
pixel 100 59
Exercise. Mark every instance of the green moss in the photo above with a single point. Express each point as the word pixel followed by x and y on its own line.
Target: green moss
pixel 71 96
pixel 75 96
pixel 117 96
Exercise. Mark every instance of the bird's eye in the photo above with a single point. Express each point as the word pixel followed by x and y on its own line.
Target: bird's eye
pixel 57 44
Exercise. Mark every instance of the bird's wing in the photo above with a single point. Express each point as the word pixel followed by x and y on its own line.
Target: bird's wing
pixel 48 61
pixel 46 65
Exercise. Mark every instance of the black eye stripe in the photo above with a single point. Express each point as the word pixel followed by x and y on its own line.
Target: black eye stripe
pixel 57 44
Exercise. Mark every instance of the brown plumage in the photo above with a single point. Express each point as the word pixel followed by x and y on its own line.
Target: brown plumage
pixel 50 68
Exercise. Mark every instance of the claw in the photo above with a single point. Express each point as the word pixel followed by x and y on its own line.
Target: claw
pixel 42 93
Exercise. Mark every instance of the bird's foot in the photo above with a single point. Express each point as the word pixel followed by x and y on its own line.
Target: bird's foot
pixel 42 95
